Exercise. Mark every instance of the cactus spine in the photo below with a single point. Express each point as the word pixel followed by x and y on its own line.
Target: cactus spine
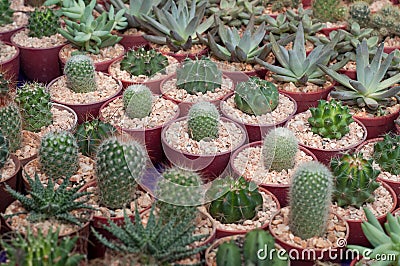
pixel 80 72
pixel 387 154
pixel 203 121
pixel 144 63
pixel 43 23
pixel 138 101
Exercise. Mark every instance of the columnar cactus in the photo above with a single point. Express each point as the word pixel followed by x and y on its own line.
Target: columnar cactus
pixel 58 154
pixel 228 254
pixel 355 180
pixel 6 13
pixel 81 75
pixel 256 96
pixel 330 119
pixel 280 147
pixel 120 161
pixel 43 23
pixel 144 63
pixel 201 75
pixel 310 200
pixel 35 106
pixel 138 101
pixel 203 121
pixel 4 150
pixel 387 154
pixel 360 13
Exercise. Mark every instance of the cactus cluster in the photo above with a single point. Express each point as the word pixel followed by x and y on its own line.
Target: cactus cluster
pixel 386 21
pixel 330 119
pixel 387 154
pixel 329 10
pixel 43 23
pixel 203 121
pixel 200 75
pixel 138 101
pixel 6 13
pixel 354 179
pixel 120 161
pixel 310 200
pixel 4 150
pixel 35 106
pixel 359 12
pixel 144 63
pixel 80 73
pixel 256 96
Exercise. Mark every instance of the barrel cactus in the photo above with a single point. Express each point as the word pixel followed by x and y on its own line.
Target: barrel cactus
pixel 138 101
pixel 387 154
pixel 43 23
pixel 354 179
pixel 144 63
pixel 203 121
pixel 359 12
pixel 229 254
pixel 256 96
pixel 80 73
pixel 4 150
pixel 6 13
pixel 310 199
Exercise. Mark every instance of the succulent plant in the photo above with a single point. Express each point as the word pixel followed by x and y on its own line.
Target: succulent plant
pixel 241 202
pixel 120 162
pixel 354 179
pixel 280 147
pixel 138 101
pixel 58 154
pixel 144 63
pixel 4 150
pixel 256 96
pixel 359 12
pixel 43 23
pixel 328 10
pixel 387 153
pixel 228 254
pixel 80 73
pixel 310 199
pixel 6 13
pixel 278 26
pixel 35 106
pixel 385 21
pixel 203 121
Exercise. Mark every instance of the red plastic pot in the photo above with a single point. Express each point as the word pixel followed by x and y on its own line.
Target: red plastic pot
pixel 11 66
pixel 397 129
pixel 378 125
pixel 306 3
pixel 6 198
pixel 182 56
pixel 5 36
pixel 257 132
pixel 209 166
pixel 280 191
pixel 352 74
pixel 150 137
pixel 327 31
pixel 131 41
pixel 389 49
pixel 240 76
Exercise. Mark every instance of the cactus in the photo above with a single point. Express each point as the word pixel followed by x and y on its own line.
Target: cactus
pixel 310 200
pixel 387 154
pixel 144 63
pixel 355 180
pixel 203 121
pixel 4 150
pixel 228 254
pixel 238 204
pixel 80 73
pixel 6 13
pixel 360 13
pixel 328 10
pixel 280 147
pixel 256 96
pixel 35 106
pixel 330 119
pixel 120 161
pixel 201 75
pixel 138 101
pixel 43 23
pixel 58 154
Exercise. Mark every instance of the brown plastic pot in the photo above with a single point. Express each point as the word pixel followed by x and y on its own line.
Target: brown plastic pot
pixel 240 76
pixel 389 49
pixel 131 41
pixel 306 3
pixel 256 132
pixel 150 137
pixel 11 66
pixel 6 35
pixel 182 56
pixel 378 125
pixel 280 191
pixel 209 166
pixel 397 129
pixel 352 74
pixel 6 198
pixel 327 31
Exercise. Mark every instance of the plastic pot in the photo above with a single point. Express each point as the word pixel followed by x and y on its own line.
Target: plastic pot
pixel 6 198
pixel 131 41
pixel 182 56
pixel 11 66
pixel 327 31
pixel 240 76
pixel 397 129
pixel 6 35
pixel 378 125
pixel 352 74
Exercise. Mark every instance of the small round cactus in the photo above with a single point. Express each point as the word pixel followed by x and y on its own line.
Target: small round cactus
pixel 359 11
pixel 138 101
pixel 4 150
pixel 280 147
pixel 144 63
pixel 80 72
pixel 43 23
pixel 387 154
pixel 203 121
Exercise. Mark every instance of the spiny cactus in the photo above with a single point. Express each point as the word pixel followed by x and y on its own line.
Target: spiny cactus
pixel 138 101
pixel 203 121
pixel 330 119
pixel 241 202
pixel 200 75
pixel 6 13
pixel 359 12
pixel 144 63
pixel 120 161
pixel 58 154
pixel 280 147
pixel 80 72
pixel 355 180
pixel 4 150
pixel 35 106
pixel 310 200
pixel 229 254
pixel 387 154
pixel 43 23
pixel 328 10
pixel 256 96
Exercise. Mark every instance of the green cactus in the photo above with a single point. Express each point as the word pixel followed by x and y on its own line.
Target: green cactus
pixel 377 20
pixel 387 154
pixel 203 121
pixel 328 10
pixel 138 101
pixel 228 254
pixel 58 154
pixel 80 72
pixel 310 200
pixel 35 106
pixel 359 12
pixel 280 147
pixel 200 75
pixel 4 150
pixel 43 23
pixel 6 13
pixel 330 119
pixel 256 96
pixel 120 161
pixel 241 202
pixel 144 63
pixel 355 180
